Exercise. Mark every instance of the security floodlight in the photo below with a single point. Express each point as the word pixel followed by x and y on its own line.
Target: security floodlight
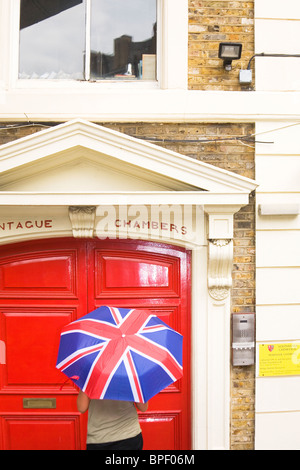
pixel 229 51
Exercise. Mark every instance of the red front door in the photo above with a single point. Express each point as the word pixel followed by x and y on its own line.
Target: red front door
pixel 46 284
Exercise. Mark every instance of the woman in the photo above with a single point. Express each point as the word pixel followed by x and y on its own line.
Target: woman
pixel 112 424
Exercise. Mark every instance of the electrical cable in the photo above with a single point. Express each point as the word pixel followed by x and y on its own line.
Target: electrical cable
pixel 240 139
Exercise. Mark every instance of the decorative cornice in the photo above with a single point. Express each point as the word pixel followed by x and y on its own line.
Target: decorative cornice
pixel 83 221
pixel 220 258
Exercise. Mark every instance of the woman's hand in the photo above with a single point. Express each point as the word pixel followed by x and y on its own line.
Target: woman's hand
pixel 142 406
pixel 83 402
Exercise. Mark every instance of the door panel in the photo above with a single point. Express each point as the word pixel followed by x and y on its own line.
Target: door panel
pixel 39 275
pixel 49 283
pixel 26 331
pixel 161 431
pixel 135 275
pixel 41 432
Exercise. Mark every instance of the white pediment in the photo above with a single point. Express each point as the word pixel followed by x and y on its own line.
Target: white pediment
pixel 84 173
pixel 79 156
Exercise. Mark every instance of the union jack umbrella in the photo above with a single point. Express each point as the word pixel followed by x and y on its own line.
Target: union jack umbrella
pixel 120 354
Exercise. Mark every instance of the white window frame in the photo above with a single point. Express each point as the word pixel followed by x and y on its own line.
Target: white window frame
pixel 172 44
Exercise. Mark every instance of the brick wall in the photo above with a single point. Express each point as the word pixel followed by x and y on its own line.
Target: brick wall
pixel 13 131
pixel 243 300
pixel 212 22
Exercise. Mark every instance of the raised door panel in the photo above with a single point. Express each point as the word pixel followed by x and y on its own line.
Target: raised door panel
pixel 31 431
pixel 31 339
pixel 129 275
pixel 161 431
pixel 39 275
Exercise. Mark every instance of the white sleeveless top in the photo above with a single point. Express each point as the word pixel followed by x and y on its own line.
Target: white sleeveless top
pixel 111 420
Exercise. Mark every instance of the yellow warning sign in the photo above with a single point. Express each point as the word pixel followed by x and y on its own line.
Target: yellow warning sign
pixel 279 359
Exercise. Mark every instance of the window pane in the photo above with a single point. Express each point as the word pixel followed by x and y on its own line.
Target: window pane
pixel 52 39
pixel 123 39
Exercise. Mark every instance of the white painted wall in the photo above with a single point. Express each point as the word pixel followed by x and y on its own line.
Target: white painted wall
pixel 277 30
pixel 278 248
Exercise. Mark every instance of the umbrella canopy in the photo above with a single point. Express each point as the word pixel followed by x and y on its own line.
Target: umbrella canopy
pixel 120 354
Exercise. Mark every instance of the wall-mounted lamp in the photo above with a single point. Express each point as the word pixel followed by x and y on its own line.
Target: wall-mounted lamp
pixel 229 51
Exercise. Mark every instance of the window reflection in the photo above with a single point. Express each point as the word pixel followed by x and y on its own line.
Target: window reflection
pixel 52 39
pixel 122 39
